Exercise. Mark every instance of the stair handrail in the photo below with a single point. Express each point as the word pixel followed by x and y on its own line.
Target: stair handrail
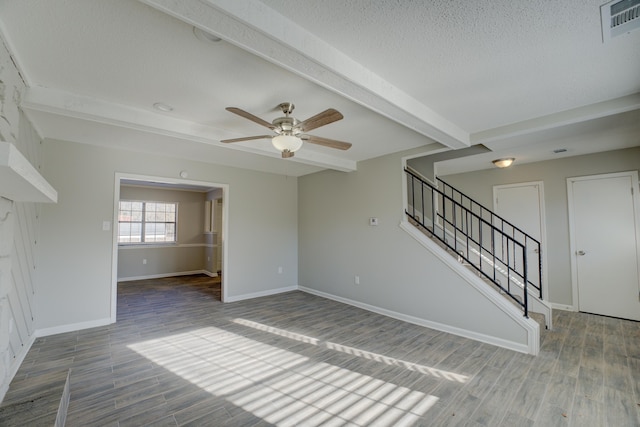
pixel 416 173
pixel 493 215
pixel 465 234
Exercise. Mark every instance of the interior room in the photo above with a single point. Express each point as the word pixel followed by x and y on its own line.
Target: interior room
pixel 279 212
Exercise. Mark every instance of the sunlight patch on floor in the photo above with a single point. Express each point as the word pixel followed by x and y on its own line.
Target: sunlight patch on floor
pixel 428 370
pixel 281 386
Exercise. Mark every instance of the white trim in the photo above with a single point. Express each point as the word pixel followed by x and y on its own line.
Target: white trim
pixel 15 365
pixel 419 175
pixel 261 294
pixel 423 322
pixel 73 327
pixel 166 180
pixel 530 326
pixel 254 27
pixel 210 273
pixel 162 275
pixel 21 182
pixel 535 305
pixel 563 307
pixel 423 154
pixel 543 226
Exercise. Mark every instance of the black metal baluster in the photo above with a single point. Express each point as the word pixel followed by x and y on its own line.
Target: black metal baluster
pixel 460 217
pixel 526 294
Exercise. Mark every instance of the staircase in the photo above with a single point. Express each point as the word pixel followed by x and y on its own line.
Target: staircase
pixel 502 255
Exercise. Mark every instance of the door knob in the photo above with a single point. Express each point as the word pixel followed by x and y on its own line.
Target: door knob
pixel 581 253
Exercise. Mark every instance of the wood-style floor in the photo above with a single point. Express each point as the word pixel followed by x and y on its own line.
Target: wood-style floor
pixel 178 356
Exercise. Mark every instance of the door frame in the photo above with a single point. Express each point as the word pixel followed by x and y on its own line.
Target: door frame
pixel 543 226
pixel 119 176
pixel 572 232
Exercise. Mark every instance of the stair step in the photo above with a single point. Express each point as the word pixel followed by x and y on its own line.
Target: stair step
pixel 40 400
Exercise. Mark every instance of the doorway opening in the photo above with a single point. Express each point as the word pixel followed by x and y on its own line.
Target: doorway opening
pixel 165 227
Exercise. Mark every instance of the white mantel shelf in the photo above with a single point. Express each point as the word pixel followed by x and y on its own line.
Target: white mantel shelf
pixel 19 180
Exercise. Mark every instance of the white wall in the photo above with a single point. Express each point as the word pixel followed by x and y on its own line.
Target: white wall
pixel 76 254
pixel 213 251
pixel 554 174
pixel 396 273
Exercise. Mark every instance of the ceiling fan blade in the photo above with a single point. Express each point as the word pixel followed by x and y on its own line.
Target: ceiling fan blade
pixel 246 138
pixel 332 143
pixel 250 116
pixel 320 119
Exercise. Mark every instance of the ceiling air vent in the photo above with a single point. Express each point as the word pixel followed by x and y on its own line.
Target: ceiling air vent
pixel 619 17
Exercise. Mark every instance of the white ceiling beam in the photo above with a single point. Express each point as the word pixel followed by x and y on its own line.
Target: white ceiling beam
pixel 252 26
pixel 557 120
pixel 96 110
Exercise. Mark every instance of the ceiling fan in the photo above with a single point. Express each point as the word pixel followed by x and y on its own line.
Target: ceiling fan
pixel 290 132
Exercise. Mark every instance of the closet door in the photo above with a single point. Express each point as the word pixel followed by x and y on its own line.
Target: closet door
pixel 604 244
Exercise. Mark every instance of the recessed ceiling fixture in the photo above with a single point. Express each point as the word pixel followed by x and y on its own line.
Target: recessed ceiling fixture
pixel 204 36
pixel 163 107
pixel 503 163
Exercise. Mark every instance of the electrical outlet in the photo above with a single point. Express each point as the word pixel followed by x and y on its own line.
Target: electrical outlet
pixel 280 270
pixel 144 261
pixel 356 280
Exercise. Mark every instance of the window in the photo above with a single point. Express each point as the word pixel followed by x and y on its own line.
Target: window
pixel 147 222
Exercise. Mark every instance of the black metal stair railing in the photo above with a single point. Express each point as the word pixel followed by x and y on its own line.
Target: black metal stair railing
pixel 491 245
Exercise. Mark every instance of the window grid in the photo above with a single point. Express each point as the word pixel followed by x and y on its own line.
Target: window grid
pixel 147 222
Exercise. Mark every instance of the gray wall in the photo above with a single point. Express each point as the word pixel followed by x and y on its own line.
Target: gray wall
pixel 75 285
pixel 554 174
pixel 187 255
pixel 396 272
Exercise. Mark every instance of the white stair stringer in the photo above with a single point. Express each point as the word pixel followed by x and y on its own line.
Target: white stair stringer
pixel 535 304
pixel 514 312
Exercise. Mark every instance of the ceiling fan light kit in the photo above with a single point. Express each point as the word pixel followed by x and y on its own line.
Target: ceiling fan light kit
pixel 289 131
pixel 504 163
pixel 286 142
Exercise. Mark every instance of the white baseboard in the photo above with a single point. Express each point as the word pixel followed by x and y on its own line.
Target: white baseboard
pixel 260 294
pixel 162 275
pixel 72 327
pixel 15 365
pixel 210 273
pixel 529 325
pixel 522 348
pixel 562 307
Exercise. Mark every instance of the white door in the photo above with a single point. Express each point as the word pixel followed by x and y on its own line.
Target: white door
pixel 604 244
pixel 523 206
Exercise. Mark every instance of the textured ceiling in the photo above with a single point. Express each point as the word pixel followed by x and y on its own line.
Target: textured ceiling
pixel 512 75
pixel 482 63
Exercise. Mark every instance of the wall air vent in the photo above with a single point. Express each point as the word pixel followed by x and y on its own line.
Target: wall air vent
pixel 619 17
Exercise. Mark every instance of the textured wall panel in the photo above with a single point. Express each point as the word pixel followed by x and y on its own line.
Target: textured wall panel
pixel 18 232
